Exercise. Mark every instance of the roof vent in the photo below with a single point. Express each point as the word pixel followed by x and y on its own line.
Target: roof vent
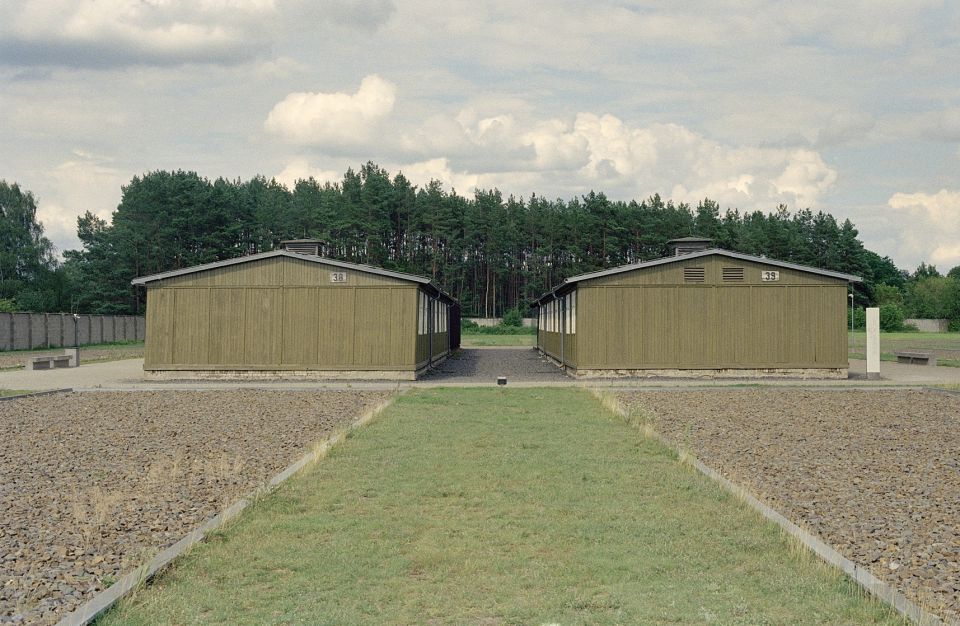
pixel 733 274
pixel 686 245
pixel 694 274
pixel 302 246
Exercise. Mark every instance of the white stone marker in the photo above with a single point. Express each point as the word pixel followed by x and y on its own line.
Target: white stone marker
pixel 873 343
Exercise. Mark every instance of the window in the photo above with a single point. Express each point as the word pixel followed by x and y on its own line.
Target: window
pixel 573 313
pixel 422 317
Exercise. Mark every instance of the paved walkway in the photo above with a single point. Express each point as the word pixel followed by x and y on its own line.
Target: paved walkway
pixel 484 365
pixel 471 367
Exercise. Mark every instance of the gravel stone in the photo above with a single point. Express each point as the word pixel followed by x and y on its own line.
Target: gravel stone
pixel 876 474
pixel 94 484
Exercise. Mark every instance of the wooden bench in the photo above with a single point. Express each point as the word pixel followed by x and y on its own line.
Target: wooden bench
pixel 49 361
pixel 916 358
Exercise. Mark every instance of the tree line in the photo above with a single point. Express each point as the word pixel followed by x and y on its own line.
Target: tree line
pixel 494 253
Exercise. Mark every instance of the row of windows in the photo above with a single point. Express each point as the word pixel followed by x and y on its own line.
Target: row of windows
pixel 441 315
pixel 560 314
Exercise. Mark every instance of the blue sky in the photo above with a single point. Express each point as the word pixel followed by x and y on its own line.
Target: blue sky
pixel 852 107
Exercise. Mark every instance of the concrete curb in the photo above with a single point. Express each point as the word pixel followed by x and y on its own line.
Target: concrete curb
pixel 34 394
pixel 861 575
pixel 946 392
pixel 100 603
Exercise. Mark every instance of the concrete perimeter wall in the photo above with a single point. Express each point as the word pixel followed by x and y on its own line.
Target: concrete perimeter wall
pixel 495 321
pixel 27 331
pixel 929 325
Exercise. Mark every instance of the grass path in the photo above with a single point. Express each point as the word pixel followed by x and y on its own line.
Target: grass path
pixel 486 506
pixel 470 340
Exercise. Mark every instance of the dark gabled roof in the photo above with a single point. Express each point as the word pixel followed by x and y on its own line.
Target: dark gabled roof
pixel 689 239
pixel 695 255
pixel 369 269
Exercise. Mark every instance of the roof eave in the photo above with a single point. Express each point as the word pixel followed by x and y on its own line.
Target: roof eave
pixel 143 280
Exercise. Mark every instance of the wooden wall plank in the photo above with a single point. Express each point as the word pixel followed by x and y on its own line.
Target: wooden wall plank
pixel 301 322
pixel 226 326
pixel 191 325
pixel 262 333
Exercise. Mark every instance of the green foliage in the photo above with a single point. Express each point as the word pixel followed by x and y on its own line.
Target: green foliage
pixel 500 329
pixel 512 318
pixel 891 317
pixel 933 297
pixel 28 271
pixel 468 325
pixel 7 305
pixel 887 294
pixel 859 318
pixel 926 271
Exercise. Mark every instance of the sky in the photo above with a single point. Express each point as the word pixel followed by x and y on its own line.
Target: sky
pixel 848 107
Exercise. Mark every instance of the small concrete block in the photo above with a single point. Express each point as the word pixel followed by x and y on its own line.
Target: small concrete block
pixel 74 354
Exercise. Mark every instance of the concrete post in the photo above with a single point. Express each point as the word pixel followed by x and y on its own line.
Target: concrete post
pixel 873 343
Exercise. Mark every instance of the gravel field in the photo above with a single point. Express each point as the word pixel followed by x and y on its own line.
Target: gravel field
pixel 93 484
pixel 874 473
pixel 9 360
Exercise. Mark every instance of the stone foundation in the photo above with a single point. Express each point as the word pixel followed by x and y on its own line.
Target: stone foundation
pixel 760 373
pixel 318 375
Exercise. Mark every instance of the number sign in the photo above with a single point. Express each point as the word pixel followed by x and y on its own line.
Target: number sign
pixel 338 277
pixel 769 277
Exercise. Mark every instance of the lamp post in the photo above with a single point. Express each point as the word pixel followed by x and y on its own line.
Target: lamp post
pixel 76 338
pixel 850 295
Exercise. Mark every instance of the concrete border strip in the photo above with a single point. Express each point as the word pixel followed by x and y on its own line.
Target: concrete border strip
pixel 881 590
pixel 34 394
pixel 101 602
pixel 942 391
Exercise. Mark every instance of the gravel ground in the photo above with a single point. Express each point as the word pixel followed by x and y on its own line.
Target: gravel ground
pixel 9 360
pixel 93 484
pixel 874 473
pixel 484 365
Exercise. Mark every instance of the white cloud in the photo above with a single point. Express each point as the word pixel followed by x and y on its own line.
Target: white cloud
pixel 523 154
pixel 670 158
pixel 300 169
pixel 333 119
pixel 107 33
pixel 83 182
pixel 422 173
pixel 934 225
pixel 119 32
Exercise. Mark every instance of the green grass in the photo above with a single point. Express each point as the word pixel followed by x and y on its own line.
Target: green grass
pixel 4 393
pixel 487 506
pixel 944 345
pixel 473 341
